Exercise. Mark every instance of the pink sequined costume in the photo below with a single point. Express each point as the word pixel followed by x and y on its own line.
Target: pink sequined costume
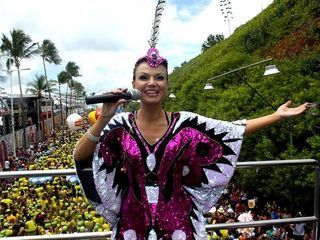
pixel 161 191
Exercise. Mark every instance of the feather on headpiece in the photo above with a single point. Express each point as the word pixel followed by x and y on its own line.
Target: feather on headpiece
pixel 156 22
pixel 153 57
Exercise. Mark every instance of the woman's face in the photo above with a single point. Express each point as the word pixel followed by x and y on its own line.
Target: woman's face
pixel 152 82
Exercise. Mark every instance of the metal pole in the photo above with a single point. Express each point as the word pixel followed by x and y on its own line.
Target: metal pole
pixel 9 73
pixel 39 121
pixel 273 163
pixel 241 68
pixel 176 102
pixel 240 165
pixel 47 117
pixel 290 131
pixel 316 204
pixel 12 113
pixel 253 89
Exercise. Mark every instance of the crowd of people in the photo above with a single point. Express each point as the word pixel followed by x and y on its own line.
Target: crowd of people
pixel 46 205
pixel 57 205
pixel 234 206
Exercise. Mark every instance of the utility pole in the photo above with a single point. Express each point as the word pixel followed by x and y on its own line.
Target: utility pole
pixel 226 10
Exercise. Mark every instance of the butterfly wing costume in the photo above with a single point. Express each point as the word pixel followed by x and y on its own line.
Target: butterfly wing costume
pixel 161 190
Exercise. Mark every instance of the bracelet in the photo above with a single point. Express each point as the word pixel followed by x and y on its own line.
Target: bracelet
pixel 91 137
pixel 106 116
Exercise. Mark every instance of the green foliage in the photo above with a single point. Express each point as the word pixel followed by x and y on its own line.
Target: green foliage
pixel 18 47
pixel 257 38
pixel 72 69
pixel 211 41
pixel 310 65
pixel 289 32
pixel 78 88
pixel 49 52
pixel 38 86
pixel 131 106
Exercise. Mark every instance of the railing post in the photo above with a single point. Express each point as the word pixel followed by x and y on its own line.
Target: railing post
pixel 316 202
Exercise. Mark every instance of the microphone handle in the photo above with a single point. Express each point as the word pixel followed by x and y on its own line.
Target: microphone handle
pixel 106 98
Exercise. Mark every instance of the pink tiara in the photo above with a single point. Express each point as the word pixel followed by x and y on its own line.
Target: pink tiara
pixel 153 57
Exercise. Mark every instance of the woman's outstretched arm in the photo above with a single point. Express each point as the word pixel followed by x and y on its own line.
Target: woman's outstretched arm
pixel 284 111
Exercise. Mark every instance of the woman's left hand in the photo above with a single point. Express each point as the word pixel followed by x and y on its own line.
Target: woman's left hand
pixel 285 111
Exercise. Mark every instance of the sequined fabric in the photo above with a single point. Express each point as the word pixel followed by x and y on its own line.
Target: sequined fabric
pixel 161 191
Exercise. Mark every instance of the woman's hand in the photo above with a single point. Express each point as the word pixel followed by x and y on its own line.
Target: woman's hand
pixel 87 144
pixel 109 108
pixel 284 111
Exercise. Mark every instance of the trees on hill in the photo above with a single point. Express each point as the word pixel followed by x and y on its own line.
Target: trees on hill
pixel 211 41
pixel 289 34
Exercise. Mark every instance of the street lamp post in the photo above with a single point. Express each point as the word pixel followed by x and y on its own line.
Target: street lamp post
pixel 270 70
pixel 9 73
pixel 236 71
pixel 208 86
pixel 172 96
pixel 40 131
pixel 47 115
pixel 253 89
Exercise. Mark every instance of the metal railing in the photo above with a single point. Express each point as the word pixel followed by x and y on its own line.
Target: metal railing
pixel 240 165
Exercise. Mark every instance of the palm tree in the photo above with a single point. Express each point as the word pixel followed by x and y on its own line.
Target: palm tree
pixel 78 90
pixel 18 48
pixel 49 53
pixel 62 79
pixel 39 86
pixel 72 70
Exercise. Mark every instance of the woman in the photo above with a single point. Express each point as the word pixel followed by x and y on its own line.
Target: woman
pixel 155 173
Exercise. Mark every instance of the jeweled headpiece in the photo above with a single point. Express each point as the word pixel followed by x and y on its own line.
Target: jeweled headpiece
pixel 153 57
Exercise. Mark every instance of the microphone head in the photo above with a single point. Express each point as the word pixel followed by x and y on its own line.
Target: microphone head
pixel 135 93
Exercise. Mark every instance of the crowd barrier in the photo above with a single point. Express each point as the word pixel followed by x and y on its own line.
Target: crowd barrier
pixel 240 165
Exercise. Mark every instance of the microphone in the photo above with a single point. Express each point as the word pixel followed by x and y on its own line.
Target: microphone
pixel 131 94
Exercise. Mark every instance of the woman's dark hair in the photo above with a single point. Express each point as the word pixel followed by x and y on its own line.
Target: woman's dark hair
pixel 144 59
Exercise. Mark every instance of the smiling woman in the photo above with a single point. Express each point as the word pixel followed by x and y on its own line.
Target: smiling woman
pixel 156 173
pixel 152 83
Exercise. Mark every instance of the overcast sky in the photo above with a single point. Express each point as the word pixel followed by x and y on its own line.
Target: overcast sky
pixel 105 37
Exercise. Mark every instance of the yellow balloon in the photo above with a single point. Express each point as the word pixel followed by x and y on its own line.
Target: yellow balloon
pixel 92 117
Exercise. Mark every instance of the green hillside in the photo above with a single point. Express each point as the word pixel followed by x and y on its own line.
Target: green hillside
pixel 289 32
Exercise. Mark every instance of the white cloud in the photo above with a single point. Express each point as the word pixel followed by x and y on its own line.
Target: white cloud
pixel 106 37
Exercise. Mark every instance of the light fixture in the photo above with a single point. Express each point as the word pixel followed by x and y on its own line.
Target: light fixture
pixel 271 70
pixel 172 95
pixel 208 86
